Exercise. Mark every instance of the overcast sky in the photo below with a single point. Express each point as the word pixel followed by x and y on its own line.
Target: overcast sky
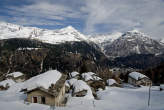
pixel 88 16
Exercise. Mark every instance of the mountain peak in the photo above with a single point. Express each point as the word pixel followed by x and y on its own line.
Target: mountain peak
pixel 69 29
pixel 134 31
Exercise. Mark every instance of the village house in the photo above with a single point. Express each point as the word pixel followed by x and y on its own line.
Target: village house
pixel 50 89
pixel 137 79
pixel 16 76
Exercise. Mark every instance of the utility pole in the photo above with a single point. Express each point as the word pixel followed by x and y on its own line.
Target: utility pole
pixel 149 95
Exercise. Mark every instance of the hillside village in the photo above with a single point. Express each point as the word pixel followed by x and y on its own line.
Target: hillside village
pixel 56 89
pixel 82 55
pixel 66 70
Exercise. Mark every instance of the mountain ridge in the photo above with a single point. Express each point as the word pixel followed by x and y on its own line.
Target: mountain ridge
pixel 8 30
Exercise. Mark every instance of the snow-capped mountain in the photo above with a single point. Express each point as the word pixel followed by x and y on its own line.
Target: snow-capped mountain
pixel 8 30
pixel 103 40
pixel 133 42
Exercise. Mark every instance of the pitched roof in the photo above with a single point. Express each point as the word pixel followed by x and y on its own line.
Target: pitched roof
pixel 43 80
pixel 15 74
pixel 111 82
pixel 53 89
pixel 137 75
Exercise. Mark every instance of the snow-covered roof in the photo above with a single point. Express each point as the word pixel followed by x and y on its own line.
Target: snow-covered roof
pixel 71 81
pixel 111 82
pixel 15 74
pixel 7 81
pixel 137 75
pixel 73 74
pixel 80 85
pixel 43 80
pixel 90 76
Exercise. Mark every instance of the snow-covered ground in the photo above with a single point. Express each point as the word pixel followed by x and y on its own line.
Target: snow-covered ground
pixel 112 98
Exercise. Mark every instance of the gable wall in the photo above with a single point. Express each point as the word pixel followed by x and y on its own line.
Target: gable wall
pixel 50 100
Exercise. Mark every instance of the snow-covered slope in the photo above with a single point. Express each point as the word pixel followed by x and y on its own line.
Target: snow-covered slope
pixel 8 30
pixel 7 82
pixel 162 41
pixel 133 42
pixel 103 40
pixel 112 98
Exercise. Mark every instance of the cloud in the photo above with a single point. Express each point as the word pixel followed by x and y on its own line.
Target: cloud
pixel 124 15
pixel 42 13
pixel 92 16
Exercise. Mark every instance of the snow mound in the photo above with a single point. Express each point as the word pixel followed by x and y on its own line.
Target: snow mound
pixel 71 81
pixel 8 82
pixel 90 76
pixel 137 75
pixel 73 74
pixel 162 86
pixel 111 82
pixel 80 85
pixel 43 80
pixel 15 74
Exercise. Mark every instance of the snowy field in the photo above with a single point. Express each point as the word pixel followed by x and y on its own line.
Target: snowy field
pixel 112 98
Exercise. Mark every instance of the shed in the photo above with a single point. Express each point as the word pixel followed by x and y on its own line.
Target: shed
pixel 137 79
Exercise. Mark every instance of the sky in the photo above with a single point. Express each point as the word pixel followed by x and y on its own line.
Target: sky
pixel 88 16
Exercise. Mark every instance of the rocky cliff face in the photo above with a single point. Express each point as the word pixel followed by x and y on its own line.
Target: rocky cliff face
pixel 133 42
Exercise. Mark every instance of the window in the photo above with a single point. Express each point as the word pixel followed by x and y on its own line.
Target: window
pixel 43 100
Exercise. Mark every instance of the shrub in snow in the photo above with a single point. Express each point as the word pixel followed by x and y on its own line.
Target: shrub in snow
pixel 6 84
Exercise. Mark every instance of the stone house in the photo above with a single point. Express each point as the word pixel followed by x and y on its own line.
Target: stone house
pixel 137 79
pixel 53 96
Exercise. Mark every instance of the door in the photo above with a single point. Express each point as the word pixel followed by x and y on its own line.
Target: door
pixel 43 100
pixel 35 99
